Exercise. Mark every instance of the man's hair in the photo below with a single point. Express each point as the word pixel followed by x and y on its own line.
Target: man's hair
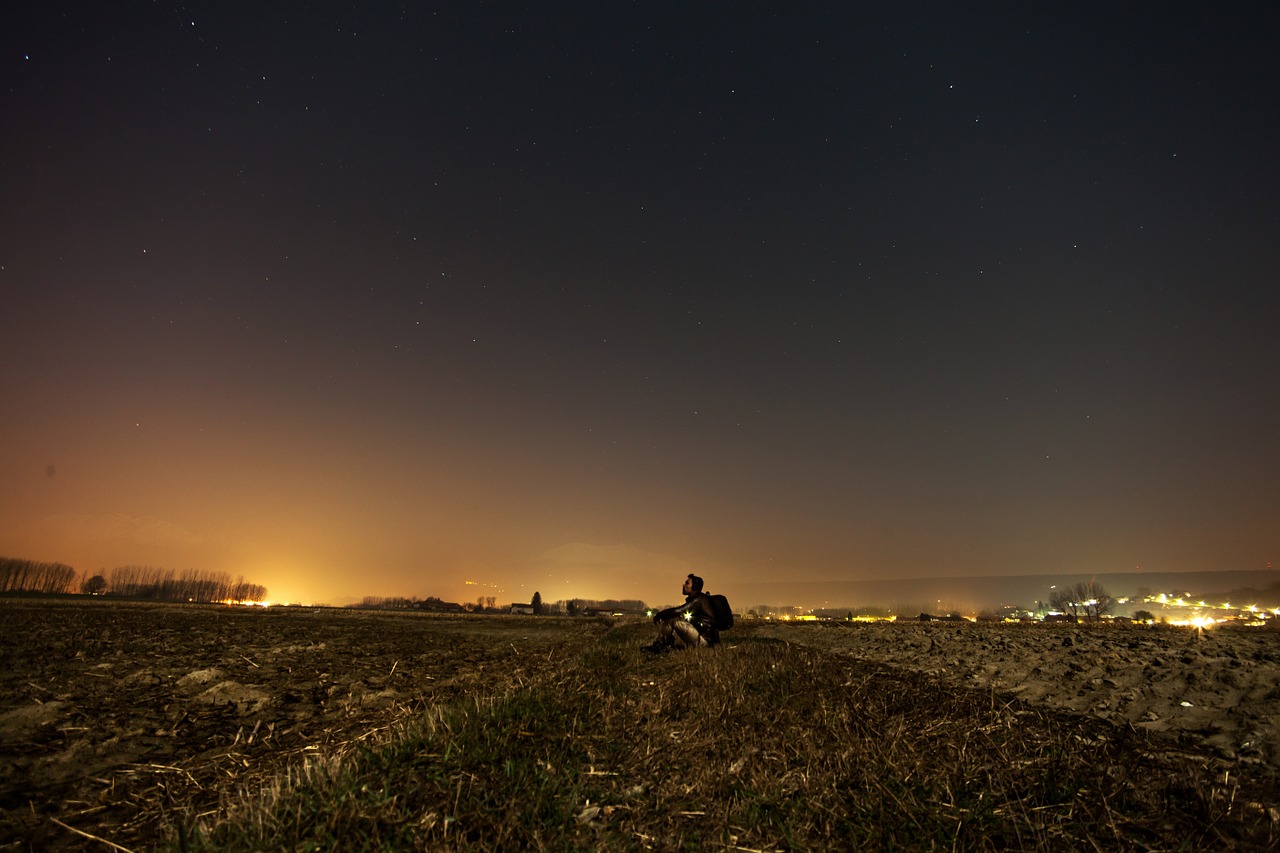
pixel 696 582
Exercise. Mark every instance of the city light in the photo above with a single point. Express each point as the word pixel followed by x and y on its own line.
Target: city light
pixel 1198 613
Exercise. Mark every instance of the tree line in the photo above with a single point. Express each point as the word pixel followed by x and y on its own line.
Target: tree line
pixel 128 582
pixel 188 585
pixel 575 606
pixel 489 604
pixel 31 576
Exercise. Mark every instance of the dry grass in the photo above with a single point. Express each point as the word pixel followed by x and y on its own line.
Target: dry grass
pixel 757 745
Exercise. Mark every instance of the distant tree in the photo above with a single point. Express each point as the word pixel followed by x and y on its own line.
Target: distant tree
pixel 1143 616
pixel 1064 601
pixel 242 591
pixel 572 607
pixel 1089 601
pixel 95 585
pixel 1095 600
pixel 537 604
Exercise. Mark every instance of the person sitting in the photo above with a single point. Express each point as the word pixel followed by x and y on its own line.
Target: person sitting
pixel 691 625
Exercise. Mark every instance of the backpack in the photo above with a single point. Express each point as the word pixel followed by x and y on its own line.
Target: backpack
pixel 723 612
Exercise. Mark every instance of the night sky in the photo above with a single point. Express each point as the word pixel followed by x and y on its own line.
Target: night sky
pixel 382 298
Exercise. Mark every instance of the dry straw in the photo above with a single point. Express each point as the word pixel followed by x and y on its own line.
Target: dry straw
pixel 756 745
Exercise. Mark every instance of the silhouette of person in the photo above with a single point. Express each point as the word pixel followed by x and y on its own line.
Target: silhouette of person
pixel 691 625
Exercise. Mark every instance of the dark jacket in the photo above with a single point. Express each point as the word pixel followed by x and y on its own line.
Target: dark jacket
pixel 701 614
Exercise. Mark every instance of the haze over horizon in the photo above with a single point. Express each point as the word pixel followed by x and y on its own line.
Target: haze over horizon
pixel 483 299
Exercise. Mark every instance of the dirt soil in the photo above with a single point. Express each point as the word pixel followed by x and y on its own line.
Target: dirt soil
pixel 1218 689
pixel 117 719
pixel 113 715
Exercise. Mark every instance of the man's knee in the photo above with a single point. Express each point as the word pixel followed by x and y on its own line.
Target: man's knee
pixel 687 634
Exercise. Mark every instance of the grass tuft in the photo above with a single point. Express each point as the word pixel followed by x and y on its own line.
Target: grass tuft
pixel 754 745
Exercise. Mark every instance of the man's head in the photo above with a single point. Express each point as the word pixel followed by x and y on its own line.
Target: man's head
pixel 692 584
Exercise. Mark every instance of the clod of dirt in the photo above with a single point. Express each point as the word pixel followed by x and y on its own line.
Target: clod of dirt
pixel 21 723
pixel 245 698
pixel 201 676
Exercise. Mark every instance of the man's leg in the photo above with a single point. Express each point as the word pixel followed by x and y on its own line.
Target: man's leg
pixel 678 634
pixel 686 635
pixel 666 637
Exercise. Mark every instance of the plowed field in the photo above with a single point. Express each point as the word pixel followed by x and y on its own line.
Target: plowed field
pixel 112 714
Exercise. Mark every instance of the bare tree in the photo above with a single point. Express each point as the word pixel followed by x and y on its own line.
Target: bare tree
pixel 1064 601
pixel 1094 600
pixel 1089 601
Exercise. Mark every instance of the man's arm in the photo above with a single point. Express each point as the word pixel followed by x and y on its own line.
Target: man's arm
pixel 672 612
